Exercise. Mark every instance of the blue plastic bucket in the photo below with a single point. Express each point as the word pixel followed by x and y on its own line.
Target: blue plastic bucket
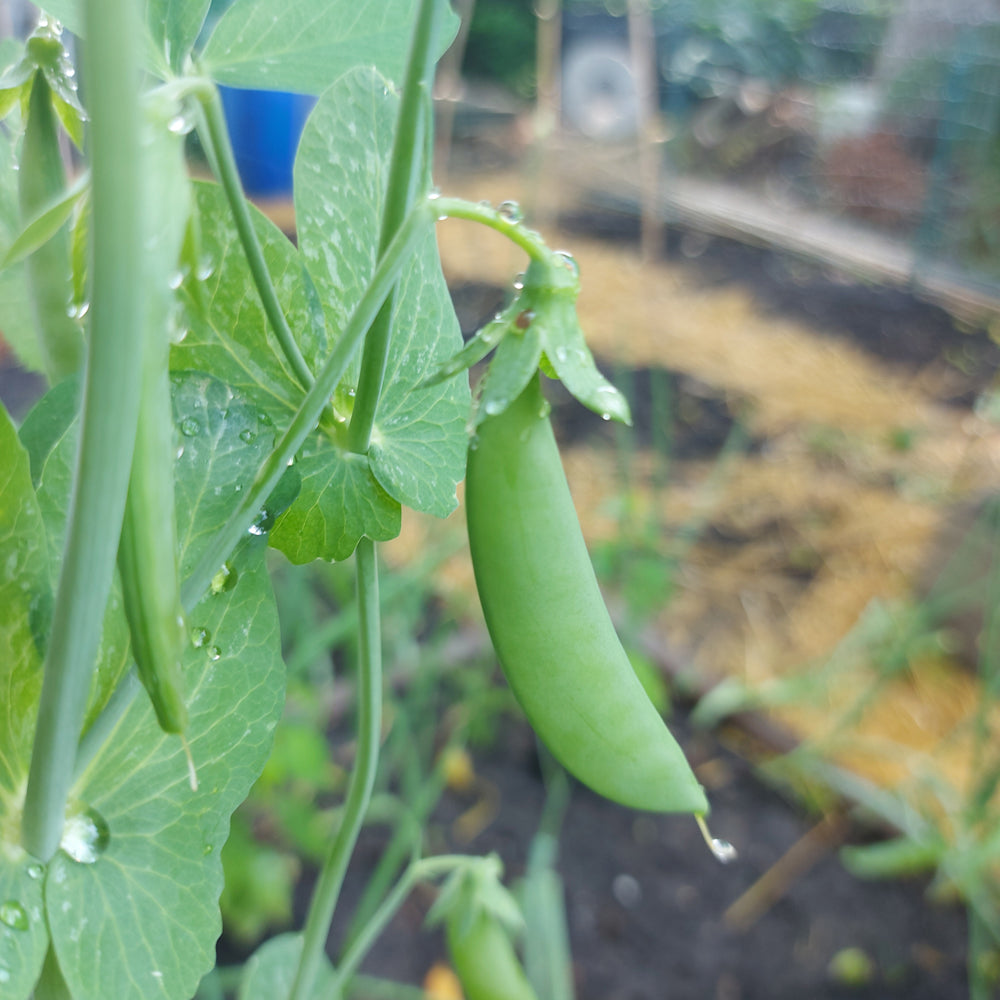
pixel 264 127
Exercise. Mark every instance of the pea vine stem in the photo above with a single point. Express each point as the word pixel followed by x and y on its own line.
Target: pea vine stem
pixel 220 149
pixel 406 170
pixel 107 433
pixel 528 240
pixel 359 789
pixel 419 870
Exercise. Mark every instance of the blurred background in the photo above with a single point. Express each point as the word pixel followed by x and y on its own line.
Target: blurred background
pixel 787 219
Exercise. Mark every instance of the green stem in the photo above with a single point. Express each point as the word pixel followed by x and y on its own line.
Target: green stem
pixel 220 153
pixel 418 871
pixel 527 239
pixel 406 167
pixel 108 421
pixel 359 789
pixel 310 411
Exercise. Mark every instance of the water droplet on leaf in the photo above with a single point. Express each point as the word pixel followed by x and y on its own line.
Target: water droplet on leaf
pixel 35 871
pixel 247 436
pixel 224 579
pixel 13 915
pixel 85 837
pixel 214 653
pixel 190 427
pixel 199 636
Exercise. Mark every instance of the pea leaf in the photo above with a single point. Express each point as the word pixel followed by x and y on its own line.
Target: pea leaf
pixel 132 899
pixel 303 46
pixel 339 501
pixel 418 444
pixel 174 26
pixel 23 936
pixel 229 334
pixel 52 454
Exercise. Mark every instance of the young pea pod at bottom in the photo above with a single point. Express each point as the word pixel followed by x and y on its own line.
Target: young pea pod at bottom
pixel 479 915
pixel 549 624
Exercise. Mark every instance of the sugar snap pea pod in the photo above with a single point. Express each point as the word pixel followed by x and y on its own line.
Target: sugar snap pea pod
pixel 549 624
pixel 147 553
pixel 42 178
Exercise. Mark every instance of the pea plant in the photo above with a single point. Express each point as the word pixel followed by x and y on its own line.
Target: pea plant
pixel 213 390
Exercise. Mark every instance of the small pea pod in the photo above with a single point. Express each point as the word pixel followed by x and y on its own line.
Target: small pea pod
pixel 549 624
pixel 484 959
pixel 479 916
pixel 41 179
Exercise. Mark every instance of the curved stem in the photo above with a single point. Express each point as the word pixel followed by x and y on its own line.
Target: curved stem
pixel 527 239
pixel 224 163
pixel 422 870
pixel 108 421
pixel 359 790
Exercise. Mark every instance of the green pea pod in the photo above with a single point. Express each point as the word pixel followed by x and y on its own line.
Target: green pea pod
pixel 41 179
pixel 147 554
pixel 549 624
pixel 484 958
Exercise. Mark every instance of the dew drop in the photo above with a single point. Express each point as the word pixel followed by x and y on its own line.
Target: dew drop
pixel 180 124
pixel 263 418
pixel 247 436
pixel 510 211
pixel 214 653
pixel 224 579
pixel 85 837
pixel 722 850
pixel 35 871
pixel 205 270
pixel 605 416
pixel 176 280
pixel 13 915
pixel 199 636
pixel 569 262
pixel 190 427
pixel 474 443
pixel 494 406
pixel 77 310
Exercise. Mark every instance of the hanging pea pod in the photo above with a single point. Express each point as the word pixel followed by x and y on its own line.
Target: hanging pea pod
pixel 147 555
pixel 41 181
pixel 548 622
